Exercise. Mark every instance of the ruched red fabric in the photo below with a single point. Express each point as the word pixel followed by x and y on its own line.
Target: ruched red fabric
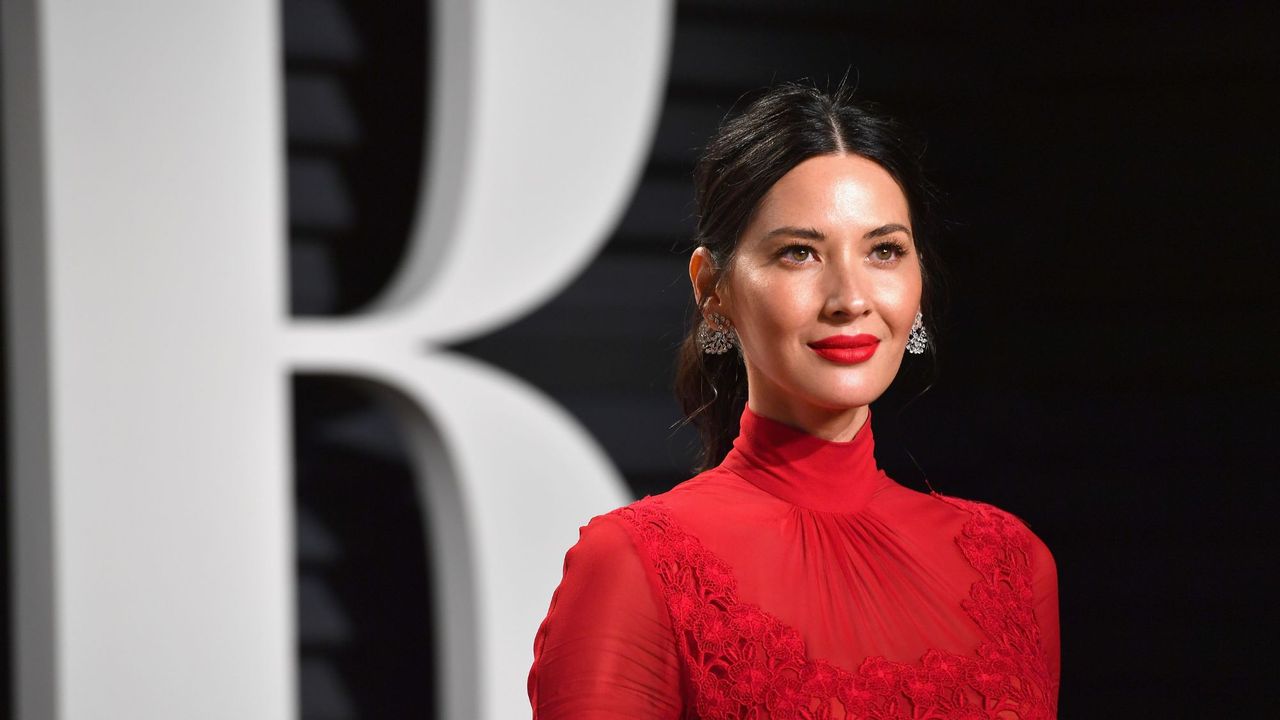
pixel 797 580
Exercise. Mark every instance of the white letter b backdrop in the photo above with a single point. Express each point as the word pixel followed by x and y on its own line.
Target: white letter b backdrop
pixel 150 348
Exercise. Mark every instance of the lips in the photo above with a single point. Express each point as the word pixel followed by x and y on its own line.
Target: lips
pixel 846 349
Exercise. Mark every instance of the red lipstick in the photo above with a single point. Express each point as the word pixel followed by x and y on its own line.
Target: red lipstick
pixel 847 349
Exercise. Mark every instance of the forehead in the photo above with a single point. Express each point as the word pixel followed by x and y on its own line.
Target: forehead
pixel 834 191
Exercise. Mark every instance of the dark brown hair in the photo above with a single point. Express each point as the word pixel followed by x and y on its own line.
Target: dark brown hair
pixel 786 125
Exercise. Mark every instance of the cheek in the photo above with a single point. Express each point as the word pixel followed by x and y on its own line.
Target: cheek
pixel 898 298
pixel 775 306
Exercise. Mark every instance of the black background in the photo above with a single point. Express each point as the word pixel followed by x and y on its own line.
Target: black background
pixel 1106 366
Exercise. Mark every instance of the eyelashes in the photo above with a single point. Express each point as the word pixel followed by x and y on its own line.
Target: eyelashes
pixel 887 252
pixel 796 254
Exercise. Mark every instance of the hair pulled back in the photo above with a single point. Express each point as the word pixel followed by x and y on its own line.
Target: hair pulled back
pixel 786 125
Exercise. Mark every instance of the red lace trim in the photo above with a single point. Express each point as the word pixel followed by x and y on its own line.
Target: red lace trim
pixel 744 663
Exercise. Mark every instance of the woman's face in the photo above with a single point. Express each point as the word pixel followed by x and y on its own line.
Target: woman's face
pixel 823 288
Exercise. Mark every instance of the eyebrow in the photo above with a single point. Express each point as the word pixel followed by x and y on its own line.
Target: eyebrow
pixel 889 229
pixel 808 233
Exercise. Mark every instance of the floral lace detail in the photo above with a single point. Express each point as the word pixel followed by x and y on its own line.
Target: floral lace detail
pixel 744 663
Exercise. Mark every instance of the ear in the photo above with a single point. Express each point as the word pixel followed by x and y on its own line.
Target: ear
pixel 702 275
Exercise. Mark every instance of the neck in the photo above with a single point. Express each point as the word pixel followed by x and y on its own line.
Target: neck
pixel 834 424
pixel 803 469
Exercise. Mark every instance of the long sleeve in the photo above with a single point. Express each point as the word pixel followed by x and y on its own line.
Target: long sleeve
pixel 606 648
pixel 1045 587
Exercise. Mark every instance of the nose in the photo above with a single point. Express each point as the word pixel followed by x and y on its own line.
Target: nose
pixel 846 292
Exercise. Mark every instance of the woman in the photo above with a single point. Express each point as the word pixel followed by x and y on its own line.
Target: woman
pixel 793 578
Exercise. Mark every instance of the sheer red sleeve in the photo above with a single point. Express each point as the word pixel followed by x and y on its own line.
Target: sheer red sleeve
pixel 1045 586
pixel 606 648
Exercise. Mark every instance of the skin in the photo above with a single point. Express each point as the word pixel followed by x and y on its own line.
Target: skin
pixel 829 251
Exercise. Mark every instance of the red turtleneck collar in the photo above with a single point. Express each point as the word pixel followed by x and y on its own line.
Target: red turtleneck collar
pixel 803 469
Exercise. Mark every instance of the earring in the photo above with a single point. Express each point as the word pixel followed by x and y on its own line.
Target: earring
pixel 716 340
pixel 918 338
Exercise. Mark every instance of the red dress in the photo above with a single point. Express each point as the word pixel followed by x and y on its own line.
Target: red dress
pixel 797 580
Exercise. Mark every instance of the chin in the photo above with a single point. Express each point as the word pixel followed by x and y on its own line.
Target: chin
pixel 843 399
pixel 849 403
pixel 824 386
pixel 858 388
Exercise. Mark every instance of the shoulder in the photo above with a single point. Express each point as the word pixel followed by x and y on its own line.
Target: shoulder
pixel 990 523
pixel 602 543
pixel 615 554
pixel 636 525
pixel 710 506
pixel 654 516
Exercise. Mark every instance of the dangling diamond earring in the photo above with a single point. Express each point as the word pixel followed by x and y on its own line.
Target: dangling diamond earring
pixel 716 340
pixel 918 339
